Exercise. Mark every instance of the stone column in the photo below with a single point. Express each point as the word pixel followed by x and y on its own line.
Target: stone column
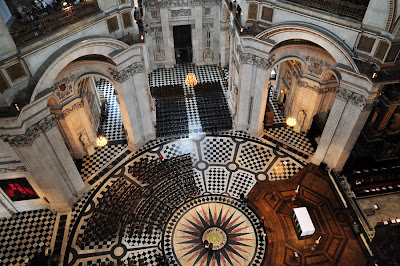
pixel 260 95
pixel 42 150
pixel 355 133
pixel 335 115
pixel 135 103
pixel 224 45
pixel 197 35
pixel 253 92
pixel 168 39
pixel 244 96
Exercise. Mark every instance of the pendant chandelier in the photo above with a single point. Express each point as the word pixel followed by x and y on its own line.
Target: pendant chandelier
pixel 191 80
pixel 101 141
pixel 291 121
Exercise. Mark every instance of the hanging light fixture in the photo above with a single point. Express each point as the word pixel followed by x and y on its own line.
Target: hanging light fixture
pixel 101 141
pixel 291 121
pixel 191 80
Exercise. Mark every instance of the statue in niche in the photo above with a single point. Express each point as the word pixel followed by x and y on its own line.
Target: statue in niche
pixel 84 139
pixel 301 116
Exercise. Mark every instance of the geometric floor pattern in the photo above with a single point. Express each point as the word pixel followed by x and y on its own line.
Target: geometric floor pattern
pixel 222 165
pixel 234 230
pixel 176 76
pixel 25 234
pixel 113 127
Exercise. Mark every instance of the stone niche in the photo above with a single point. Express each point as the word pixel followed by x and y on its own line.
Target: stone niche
pixel 78 116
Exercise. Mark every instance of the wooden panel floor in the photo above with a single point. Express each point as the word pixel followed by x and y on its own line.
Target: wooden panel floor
pixel 338 244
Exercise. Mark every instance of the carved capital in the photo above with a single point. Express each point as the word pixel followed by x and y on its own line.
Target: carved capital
pixel 358 100
pixel 343 94
pixel 254 60
pixel 370 104
pixel 74 107
pixel 124 74
pixel 31 133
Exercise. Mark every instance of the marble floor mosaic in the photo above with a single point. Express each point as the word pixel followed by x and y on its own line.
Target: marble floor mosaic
pixel 25 234
pixel 228 164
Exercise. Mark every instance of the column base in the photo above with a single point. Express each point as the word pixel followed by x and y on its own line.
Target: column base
pixel 60 207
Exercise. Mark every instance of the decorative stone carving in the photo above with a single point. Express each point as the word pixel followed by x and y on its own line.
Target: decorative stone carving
pixel 224 28
pixel 124 74
pixel 68 111
pixel 343 94
pixel 251 59
pixel 31 133
pixel 235 61
pixel 358 100
pixel 176 3
pixel 315 65
pixel 181 12
pixel 63 88
pixel 370 103
pixel 10 170
pixel 208 55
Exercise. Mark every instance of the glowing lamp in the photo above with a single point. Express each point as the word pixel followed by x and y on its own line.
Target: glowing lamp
pixel 101 141
pixel 291 121
pixel 191 80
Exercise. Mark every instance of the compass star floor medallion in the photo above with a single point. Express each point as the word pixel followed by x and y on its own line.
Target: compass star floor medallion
pixel 234 231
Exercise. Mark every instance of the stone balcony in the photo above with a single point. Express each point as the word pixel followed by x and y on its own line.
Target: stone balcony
pixel 354 9
pixel 35 29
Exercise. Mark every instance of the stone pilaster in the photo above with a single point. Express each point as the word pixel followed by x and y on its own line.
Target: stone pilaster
pixel 244 96
pixel 42 150
pixel 359 125
pixel 342 95
pixel 135 103
pixel 342 129
pixel 260 95
pixel 168 38
pixel 197 38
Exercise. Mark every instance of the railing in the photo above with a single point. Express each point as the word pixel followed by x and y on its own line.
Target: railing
pixel 45 25
pixel 338 7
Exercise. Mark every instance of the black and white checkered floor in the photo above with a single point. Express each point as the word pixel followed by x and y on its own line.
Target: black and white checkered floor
pixel 228 164
pixel 195 121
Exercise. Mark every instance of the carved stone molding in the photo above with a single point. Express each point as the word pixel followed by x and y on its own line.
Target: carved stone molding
pixel 343 94
pixel 63 88
pixel 354 98
pixel 10 170
pixel 68 111
pixel 177 3
pixel 224 28
pixel 31 133
pixel 315 65
pixel 181 12
pixel 255 60
pixel 315 88
pixel 235 61
pixel 358 100
pixel 124 74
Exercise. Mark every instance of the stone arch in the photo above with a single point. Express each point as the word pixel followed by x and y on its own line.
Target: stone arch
pixel 336 47
pixel 72 51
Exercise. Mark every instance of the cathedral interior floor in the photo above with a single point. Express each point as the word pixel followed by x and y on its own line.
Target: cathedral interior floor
pixel 225 165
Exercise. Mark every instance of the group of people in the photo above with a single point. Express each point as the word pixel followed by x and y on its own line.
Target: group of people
pixel 208 246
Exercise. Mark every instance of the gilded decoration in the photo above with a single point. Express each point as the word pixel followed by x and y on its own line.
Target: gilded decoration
pixel 365 44
pixel 16 71
pixel 31 133
pixel 380 52
pixel 124 74
pixel 253 11
pixel 267 13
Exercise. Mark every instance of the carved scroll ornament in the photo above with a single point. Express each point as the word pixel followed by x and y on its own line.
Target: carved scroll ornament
pixel 31 133
pixel 124 74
